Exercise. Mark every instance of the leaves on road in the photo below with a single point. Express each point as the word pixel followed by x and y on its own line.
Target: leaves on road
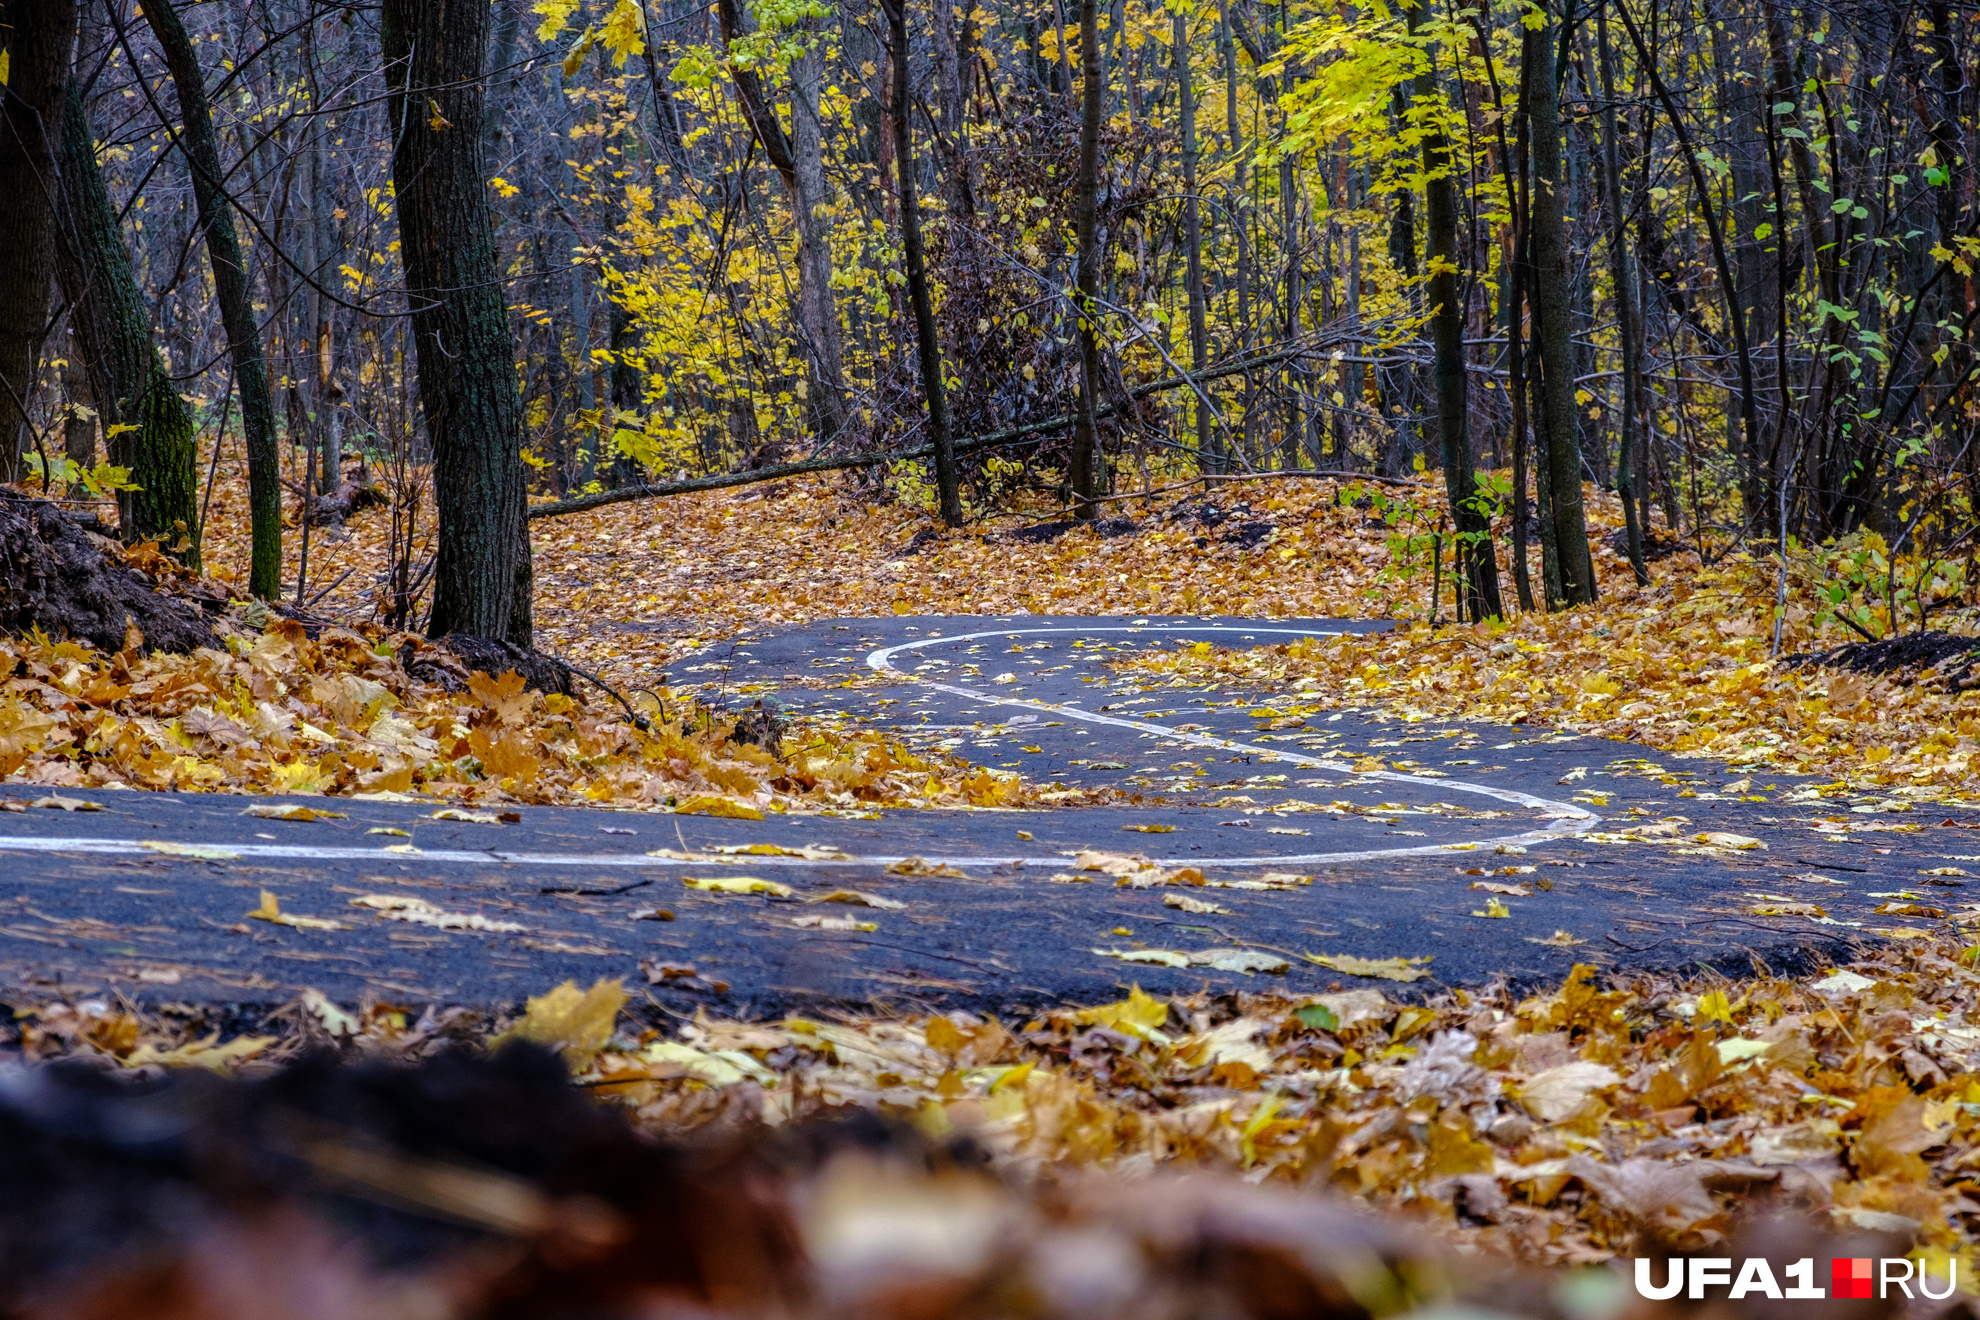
pixel 270 911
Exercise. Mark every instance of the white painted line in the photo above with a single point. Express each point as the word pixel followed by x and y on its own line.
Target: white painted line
pixel 458 856
pixel 1567 819
pixel 1572 819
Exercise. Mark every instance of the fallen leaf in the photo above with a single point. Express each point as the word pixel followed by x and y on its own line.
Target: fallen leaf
pixel 1557 1094
pixel 1138 1014
pixel 858 898
pixel 465 816
pixel 1188 904
pixel 814 852
pixel 292 811
pixel 204 852
pixel 1244 961
pixel 422 913
pixel 60 803
pixel 727 808
pixel 918 866
pixel 576 1023
pixel 1720 839
pixel 1383 969
pixel 1737 1049
pixel 205 1053
pixel 271 911
pixel 1787 910
pixel 736 884
pixel 818 921
pixel 681 976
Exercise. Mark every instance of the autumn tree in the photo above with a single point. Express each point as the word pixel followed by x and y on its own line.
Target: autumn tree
pixel 467 382
pixel 36 37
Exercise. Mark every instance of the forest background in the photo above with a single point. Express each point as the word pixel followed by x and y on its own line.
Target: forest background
pixel 1717 261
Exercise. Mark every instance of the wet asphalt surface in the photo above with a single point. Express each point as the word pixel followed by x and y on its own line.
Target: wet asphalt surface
pixel 1391 824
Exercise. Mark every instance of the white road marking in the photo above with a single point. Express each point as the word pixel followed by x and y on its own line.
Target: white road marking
pixel 1566 819
pixel 1569 818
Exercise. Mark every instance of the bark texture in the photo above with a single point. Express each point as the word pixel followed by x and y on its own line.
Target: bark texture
pixel 927 337
pixel 1474 565
pixel 1561 456
pixel 113 337
pixel 236 298
pixel 1199 335
pixel 467 371
pixel 38 35
pixel 1085 445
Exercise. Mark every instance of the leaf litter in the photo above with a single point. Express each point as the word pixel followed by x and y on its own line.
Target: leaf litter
pixel 1564 1127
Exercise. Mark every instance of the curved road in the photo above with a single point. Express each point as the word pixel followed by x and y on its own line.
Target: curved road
pixel 1340 835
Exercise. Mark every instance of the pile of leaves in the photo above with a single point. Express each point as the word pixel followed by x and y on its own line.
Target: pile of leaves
pixel 278 711
pixel 1560 1129
pixel 1686 666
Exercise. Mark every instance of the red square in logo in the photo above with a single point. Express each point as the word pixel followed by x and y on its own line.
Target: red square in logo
pixel 1849 1277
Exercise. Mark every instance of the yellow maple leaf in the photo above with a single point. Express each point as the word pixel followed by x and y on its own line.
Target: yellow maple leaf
pixel 576 1023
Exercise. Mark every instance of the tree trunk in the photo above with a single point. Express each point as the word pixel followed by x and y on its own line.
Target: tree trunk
pixel 146 426
pixel 952 122
pixel 467 373
pixel 1398 379
pixel 817 311
pixel 1562 456
pixel 1621 279
pixel 236 299
pixel 948 485
pixel 1086 203
pixel 79 426
pixel 39 36
pixel 1474 565
pixel 801 167
pixel 1199 335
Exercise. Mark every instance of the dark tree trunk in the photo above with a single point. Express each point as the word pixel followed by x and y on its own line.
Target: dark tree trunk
pixel 1561 454
pixel 39 35
pixel 1621 279
pixel 113 338
pixel 467 371
pixel 236 299
pixel 1199 335
pixel 1513 171
pixel 1086 204
pixel 927 339
pixel 1475 566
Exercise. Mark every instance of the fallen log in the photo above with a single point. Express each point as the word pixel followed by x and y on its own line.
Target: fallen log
pixel 1009 435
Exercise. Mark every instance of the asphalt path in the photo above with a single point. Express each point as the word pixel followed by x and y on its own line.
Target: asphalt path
pixel 1315 831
